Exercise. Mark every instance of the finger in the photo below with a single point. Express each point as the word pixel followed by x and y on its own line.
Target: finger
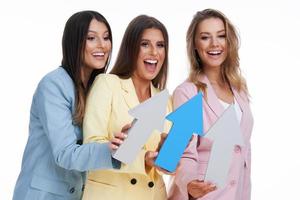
pixel 152 154
pixel 203 186
pixel 213 187
pixel 209 188
pixel 193 183
pixel 116 141
pixel 120 135
pixel 198 183
pixel 113 147
pixel 126 127
pixel 163 135
pixel 164 171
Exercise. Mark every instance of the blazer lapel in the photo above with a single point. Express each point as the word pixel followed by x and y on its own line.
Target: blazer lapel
pixel 243 106
pixel 128 92
pixel 211 98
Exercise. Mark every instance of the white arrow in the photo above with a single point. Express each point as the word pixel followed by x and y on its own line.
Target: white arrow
pixel 225 134
pixel 148 115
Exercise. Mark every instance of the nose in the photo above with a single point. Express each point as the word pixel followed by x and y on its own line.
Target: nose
pixel 100 42
pixel 154 50
pixel 214 42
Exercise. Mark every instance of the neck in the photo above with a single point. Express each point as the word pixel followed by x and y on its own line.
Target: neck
pixel 85 74
pixel 142 88
pixel 214 75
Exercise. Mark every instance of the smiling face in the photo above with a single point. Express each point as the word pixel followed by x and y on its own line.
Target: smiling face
pixel 97 46
pixel 151 55
pixel 210 42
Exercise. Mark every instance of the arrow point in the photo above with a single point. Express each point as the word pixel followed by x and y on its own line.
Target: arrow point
pixel 153 109
pixel 189 115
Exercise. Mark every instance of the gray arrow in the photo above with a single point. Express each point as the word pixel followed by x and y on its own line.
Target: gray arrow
pixel 225 134
pixel 148 115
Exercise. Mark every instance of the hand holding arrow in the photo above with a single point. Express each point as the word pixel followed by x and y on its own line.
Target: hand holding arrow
pixel 187 119
pixel 148 115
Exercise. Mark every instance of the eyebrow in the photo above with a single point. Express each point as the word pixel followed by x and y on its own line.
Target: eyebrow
pixel 149 40
pixel 96 31
pixel 223 30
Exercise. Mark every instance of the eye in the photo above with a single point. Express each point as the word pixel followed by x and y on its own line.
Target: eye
pixel 144 44
pixel 106 37
pixel 161 45
pixel 222 36
pixel 91 38
pixel 204 37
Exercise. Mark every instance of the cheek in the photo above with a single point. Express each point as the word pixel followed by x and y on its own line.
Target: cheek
pixel 86 56
pixel 108 46
pixel 200 49
pixel 163 56
pixel 88 47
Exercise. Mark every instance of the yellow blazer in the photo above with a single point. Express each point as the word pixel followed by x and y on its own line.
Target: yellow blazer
pixel 107 108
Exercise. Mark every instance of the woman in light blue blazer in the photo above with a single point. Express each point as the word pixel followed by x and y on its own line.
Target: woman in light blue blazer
pixel 55 161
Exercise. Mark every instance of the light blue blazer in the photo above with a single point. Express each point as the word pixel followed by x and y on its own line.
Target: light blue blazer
pixel 54 162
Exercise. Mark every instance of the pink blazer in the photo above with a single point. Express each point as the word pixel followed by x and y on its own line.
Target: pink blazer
pixel 193 163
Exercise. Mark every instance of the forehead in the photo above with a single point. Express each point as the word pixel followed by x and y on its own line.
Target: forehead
pixel 211 25
pixel 152 34
pixel 98 27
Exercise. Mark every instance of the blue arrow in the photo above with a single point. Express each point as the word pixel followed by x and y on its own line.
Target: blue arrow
pixel 187 119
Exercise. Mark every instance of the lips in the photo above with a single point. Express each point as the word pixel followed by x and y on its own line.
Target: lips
pixel 214 52
pixel 150 65
pixel 98 55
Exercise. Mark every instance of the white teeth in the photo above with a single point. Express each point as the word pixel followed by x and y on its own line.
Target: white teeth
pixel 98 54
pixel 216 52
pixel 151 61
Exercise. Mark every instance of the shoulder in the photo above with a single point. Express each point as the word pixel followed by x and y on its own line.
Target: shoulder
pixel 58 77
pixel 105 83
pixel 188 88
pixel 56 82
pixel 245 96
pixel 109 79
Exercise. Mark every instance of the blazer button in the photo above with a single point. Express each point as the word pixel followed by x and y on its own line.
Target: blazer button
pixel 133 181
pixel 72 190
pixel 232 183
pixel 150 184
pixel 237 149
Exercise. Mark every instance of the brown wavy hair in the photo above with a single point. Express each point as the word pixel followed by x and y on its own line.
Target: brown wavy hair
pixel 128 53
pixel 230 67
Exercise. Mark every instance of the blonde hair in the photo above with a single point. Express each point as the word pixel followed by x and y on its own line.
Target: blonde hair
pixel 230 67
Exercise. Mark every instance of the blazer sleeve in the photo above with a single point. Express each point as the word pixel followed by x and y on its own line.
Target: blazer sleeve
pixel 55 113
pixel 188 165
pixel 247 175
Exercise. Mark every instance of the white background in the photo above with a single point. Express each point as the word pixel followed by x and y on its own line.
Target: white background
pixel 30 46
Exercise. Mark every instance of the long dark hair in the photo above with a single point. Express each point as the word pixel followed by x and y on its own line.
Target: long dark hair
pixel 73 47
pixel 128 53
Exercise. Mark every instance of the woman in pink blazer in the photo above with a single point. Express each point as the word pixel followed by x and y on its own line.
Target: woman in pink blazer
pixel 212 45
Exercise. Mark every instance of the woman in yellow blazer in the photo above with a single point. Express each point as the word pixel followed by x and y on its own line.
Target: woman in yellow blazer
pixel 140 72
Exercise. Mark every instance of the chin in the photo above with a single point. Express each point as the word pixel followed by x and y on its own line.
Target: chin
pixel 151 77
pixel 99 66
